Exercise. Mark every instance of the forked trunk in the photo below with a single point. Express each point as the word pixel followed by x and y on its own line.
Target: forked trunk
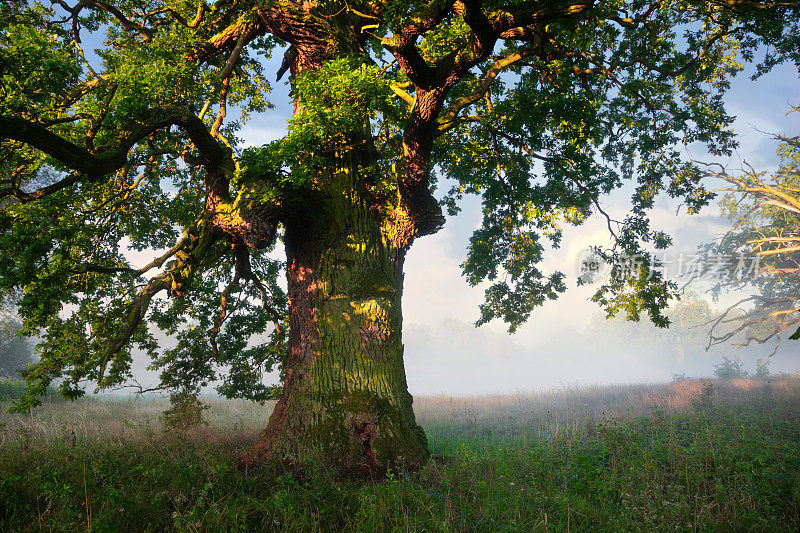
pixel 345 399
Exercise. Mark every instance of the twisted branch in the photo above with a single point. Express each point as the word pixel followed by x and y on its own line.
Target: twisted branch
pixel 217 161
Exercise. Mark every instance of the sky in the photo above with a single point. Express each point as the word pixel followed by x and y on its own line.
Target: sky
pixel 446 354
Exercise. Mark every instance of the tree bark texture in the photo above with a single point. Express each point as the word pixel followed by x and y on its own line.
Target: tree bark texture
pixel 345 398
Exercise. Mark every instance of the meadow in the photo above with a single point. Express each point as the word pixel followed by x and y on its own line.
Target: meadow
pixel 694 455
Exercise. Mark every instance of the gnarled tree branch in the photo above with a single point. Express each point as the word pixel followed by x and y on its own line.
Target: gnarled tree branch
pixel 216 160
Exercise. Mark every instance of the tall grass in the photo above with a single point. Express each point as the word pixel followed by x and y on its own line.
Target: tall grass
pixel 121 421
pixel 568 410
pixel 687 456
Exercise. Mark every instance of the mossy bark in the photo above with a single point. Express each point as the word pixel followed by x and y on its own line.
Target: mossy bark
pixel 345 399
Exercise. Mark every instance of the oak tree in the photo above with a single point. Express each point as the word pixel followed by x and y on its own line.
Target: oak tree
pixel 539 107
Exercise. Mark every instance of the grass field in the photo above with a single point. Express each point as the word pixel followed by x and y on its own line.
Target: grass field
pixel 687 456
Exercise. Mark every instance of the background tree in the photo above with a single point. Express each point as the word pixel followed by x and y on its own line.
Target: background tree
pixel 765 213
pixel 730 369
pixel 686 336
pixel 538 107
pixel 15 352
pixel 762 369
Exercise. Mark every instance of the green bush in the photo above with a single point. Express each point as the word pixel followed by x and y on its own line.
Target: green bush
pixel 185 413
pixel 730 369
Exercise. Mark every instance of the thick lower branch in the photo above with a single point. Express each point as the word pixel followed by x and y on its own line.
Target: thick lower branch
pixel 217 161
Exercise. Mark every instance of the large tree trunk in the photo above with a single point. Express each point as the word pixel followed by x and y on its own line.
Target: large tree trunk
pixel 345 399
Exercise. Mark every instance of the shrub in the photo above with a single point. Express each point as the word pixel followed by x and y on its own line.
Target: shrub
pixel 186 411
pixel 707 394
pixel 730 369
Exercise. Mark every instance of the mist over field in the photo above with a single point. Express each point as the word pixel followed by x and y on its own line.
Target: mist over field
pixel 692 455
pixel 455 358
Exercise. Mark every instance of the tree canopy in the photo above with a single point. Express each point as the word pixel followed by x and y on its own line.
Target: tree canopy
pixel 541 108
